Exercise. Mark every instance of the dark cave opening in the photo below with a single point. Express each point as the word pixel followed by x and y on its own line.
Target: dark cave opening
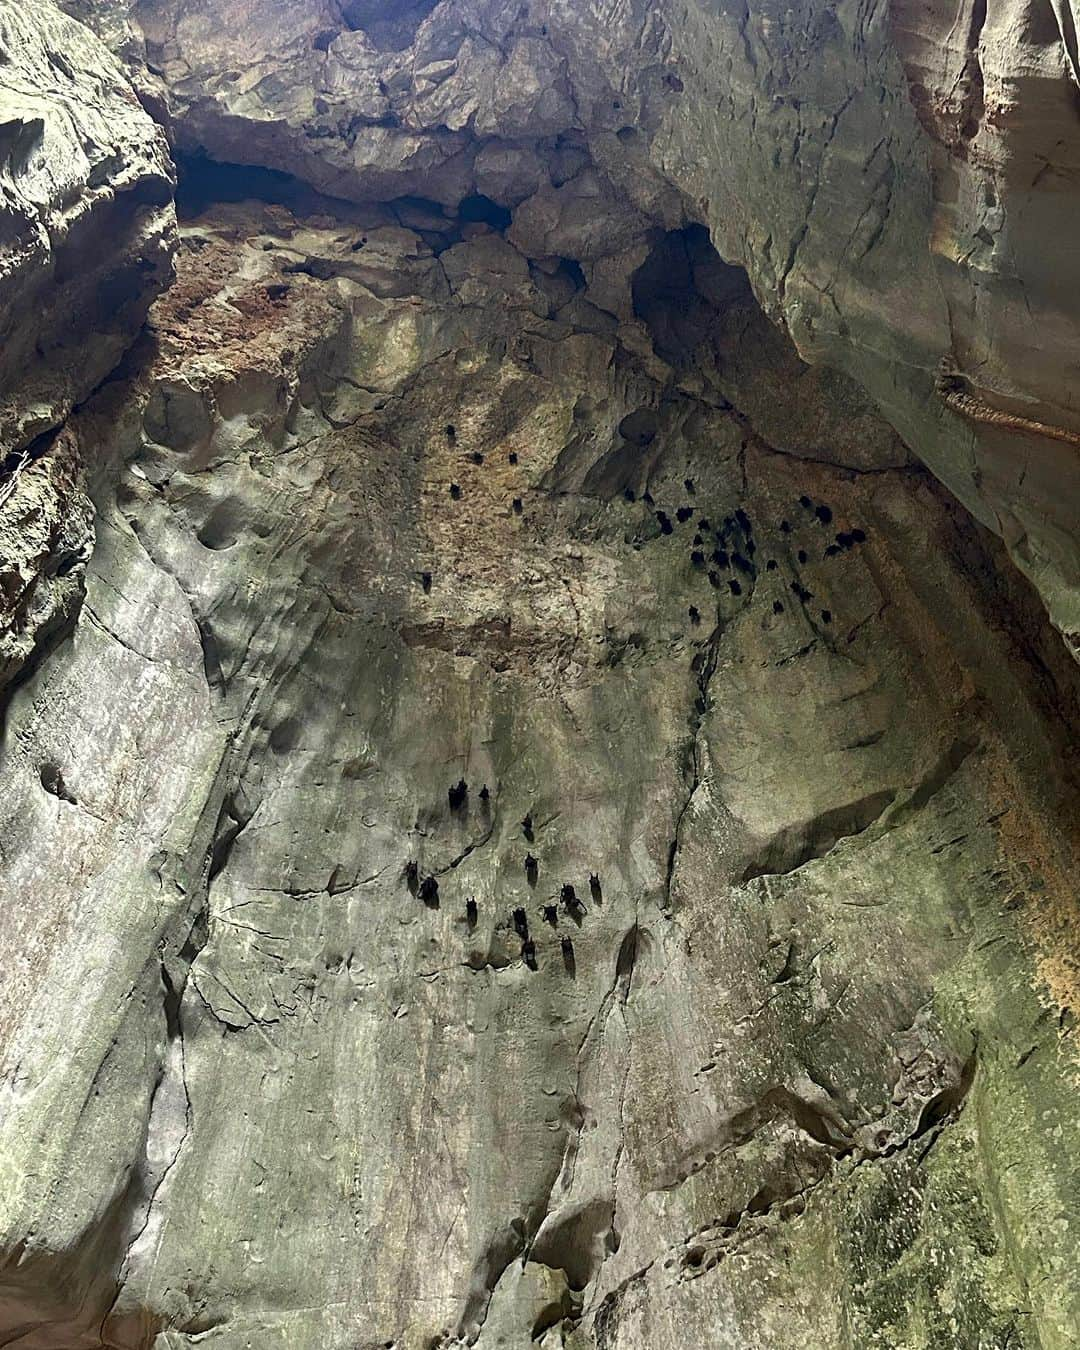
pixel 482 210
pixel 389 27
pixel 681 293
pixel 201 182
pixel 681 288
pixel 573 272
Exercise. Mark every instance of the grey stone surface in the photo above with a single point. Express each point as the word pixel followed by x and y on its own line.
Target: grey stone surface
pixel 280 1099
pixel 86 194
pixel 550 827
pixel 899 182
pixel 86 241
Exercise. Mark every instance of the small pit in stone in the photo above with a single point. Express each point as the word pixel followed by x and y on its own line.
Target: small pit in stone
pixel 219 530
pixel 639 427
pixel 52 780
pixel 478 209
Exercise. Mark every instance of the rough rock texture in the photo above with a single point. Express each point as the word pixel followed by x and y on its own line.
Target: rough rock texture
pixel 87 221
pixel 86 242
pixel 550 827
pixel 297 1097
pixel 899 182
pixel 46 534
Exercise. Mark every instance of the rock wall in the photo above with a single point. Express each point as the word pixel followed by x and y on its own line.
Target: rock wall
pixel 549 827
pixel 86 243
pixel 899 182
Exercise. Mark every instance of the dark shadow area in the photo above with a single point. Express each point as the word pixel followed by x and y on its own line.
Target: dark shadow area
pixel 389 27
pixel 703 316
pixel 681 288
pixel 202 182
pixel 404 206
pixel 639 428
pixel 572 272
pixel 479 208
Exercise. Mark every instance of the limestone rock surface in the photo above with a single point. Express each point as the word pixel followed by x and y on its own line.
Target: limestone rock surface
pixel 86 193
pixel 550 826
pixel 755 797
pixel 86 242
pixel 900 182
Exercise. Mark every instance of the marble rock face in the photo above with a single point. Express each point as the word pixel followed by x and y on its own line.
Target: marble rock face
pixel 530 816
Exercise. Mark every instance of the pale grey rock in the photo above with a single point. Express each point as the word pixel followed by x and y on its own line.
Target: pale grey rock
pixel 406 489
pixel 282 1101
pixel 894 182
pixel 508 172
pixel 86 242
pixel 86 193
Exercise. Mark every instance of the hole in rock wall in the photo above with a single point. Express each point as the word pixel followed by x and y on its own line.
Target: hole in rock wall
pixel 573 273
pixel 388 27
pixel 202 182
pixel 52 780
pixel 639 427
pixel 481 209
pixel 681 287
pixel 681 292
